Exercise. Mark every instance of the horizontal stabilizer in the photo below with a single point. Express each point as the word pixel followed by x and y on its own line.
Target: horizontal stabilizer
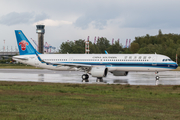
pixel 19 58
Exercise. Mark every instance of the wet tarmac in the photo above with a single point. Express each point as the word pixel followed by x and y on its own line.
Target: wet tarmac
pixel 133 78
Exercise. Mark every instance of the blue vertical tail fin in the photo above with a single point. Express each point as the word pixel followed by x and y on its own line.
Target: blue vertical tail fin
pixel 24 46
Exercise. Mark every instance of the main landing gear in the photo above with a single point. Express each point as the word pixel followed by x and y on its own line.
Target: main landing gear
pixel 99 79
pixel 85 78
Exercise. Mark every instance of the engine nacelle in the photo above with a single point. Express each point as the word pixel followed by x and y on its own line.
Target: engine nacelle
pixel 99 71
pixel 120 73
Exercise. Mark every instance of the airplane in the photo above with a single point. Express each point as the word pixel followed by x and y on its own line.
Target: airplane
pixel 96 65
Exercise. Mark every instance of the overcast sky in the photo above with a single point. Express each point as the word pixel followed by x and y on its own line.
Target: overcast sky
pixel 77 19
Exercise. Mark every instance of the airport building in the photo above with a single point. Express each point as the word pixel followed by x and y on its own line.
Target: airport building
pixel 6 55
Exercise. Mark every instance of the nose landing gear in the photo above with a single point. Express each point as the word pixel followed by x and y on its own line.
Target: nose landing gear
pixel 157 77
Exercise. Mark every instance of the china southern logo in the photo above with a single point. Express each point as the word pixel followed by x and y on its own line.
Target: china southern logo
pixel 23 45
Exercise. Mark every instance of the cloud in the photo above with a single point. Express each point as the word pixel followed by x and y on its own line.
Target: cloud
pixel 14 18
pixel 41 16
pixel 156 20
pixel 131 14
pixel 98 16
pixel 50 22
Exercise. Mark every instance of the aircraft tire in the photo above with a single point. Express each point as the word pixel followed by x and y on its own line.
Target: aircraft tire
pixel 85 76
pixel 157 77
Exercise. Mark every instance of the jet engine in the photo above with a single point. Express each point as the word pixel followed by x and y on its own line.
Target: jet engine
pixel 99 71
pixel 120 73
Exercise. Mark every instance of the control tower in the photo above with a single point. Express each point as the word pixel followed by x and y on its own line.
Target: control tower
pixel 40 31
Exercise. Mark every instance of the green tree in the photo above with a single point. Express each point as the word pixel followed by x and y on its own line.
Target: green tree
pixel 79 46
pixel 160 33
pixel 93 48
pixel 115 48
pixel 134 47
pixel 143 50
pixel 67 47
pixel 103 44
pixel 126 51
pixel 178 54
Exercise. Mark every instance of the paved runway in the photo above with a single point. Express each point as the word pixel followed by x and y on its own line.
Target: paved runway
pixel 133 78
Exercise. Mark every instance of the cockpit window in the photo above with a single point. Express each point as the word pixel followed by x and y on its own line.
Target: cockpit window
pixel 166 60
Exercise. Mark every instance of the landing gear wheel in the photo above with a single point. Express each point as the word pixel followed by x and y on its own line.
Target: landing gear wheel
pixel 157 77
pixel 99 79
pixel 85 78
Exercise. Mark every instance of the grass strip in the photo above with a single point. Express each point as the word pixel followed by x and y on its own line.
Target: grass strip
pixel 17 66
pixel 55 101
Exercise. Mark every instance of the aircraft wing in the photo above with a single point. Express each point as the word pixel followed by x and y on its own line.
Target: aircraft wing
pixel 64 64
pixel 68 64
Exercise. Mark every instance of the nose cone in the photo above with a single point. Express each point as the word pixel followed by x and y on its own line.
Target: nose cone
pixel 175 65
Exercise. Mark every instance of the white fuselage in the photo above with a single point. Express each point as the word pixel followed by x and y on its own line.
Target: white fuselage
pixel 114 62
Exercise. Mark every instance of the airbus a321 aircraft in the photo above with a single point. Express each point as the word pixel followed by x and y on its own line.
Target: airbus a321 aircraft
pixel 96 65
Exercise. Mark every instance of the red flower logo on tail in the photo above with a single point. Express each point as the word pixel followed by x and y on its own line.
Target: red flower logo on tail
pixel 23 45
